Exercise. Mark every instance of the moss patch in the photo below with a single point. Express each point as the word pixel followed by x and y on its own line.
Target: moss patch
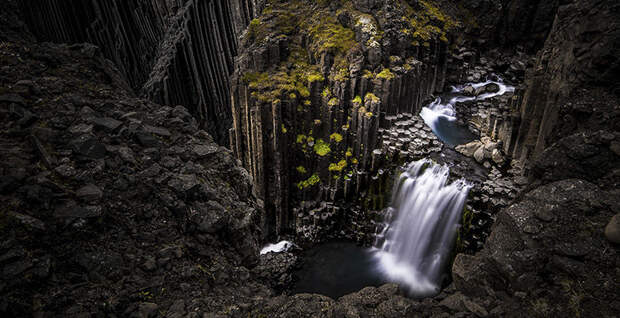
pixel 314 179
pixel 321 148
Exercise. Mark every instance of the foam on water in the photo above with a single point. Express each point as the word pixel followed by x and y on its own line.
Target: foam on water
pixel 279 247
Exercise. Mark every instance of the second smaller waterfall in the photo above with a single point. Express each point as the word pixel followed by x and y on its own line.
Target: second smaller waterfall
pixel 420 227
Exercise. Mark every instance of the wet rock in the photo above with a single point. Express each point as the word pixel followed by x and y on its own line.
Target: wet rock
pixel 469 91
pixel 612 230
pixel 491 88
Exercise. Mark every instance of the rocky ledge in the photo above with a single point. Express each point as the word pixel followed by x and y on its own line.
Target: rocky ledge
pixel 111 204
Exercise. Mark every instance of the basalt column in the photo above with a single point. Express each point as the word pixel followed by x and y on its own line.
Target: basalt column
pixel 581 51
pixel 173 52
pixel 314 87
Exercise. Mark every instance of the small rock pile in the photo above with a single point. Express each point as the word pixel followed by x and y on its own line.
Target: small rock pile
pixel 483 150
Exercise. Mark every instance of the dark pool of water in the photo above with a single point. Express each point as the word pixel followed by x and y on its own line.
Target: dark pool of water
pixel 337 268
pixel 451 133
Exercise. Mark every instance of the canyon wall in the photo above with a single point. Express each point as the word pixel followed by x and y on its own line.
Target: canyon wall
pixel 581 51
pixel 173 52
pixel 315 91
pixel 508 23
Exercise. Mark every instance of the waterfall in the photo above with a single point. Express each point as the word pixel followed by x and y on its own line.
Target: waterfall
pixel 420 227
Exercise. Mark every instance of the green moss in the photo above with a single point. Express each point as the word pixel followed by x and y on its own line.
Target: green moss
pixel 429 23
pixel 284 130
pixel 314 179
pixel 368 74
pixel 338 166
pixel 386 74
pixel 357 100
pixel 372 97
pixel 301 139
pixel 333 102
pixel 336 137
pixel 342 75
pixel 329 36
pixel 315 77
pixel 326 92
pixel 466 220
pixel 254 29
pixel 321 148
pixel 301 170
pixel 255 79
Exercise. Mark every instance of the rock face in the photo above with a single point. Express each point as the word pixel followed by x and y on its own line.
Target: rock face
pixel 533 252
pixel 177 52
pixel 317 87
pixel 580 51
pixel 509 23
pixel 122 205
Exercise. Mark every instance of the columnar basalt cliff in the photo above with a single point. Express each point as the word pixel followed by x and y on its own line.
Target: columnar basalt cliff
pixel 173 52
pixel 582 50
pixel 315 86
pixel 114 205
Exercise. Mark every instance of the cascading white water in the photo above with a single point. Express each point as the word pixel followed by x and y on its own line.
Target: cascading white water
pixel 439 111
pixel 420 227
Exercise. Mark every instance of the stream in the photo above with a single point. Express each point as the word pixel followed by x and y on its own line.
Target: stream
pixel 414 243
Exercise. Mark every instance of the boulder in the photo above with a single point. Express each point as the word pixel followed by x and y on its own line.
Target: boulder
pixel 479 155
pixel 469 91
pixel 469 149
pixel 491 88
pixel 497 157
pixel 612 230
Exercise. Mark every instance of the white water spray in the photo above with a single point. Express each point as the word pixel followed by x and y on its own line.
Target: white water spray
pixel 279 247
pixel 420 227
pixel 438 108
